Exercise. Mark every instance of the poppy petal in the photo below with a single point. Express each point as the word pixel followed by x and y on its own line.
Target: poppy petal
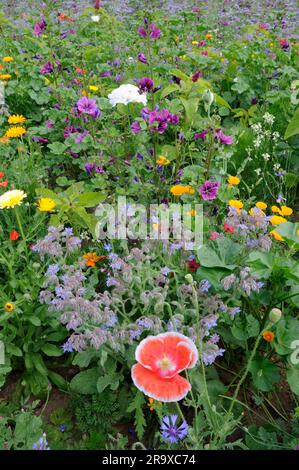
pixel 172 339
pixel 166 390
pixel 150 351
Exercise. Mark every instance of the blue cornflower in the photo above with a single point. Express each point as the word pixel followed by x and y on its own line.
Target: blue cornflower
pixel 171 432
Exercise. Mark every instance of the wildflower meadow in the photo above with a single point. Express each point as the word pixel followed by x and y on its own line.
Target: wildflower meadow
pixel 149 228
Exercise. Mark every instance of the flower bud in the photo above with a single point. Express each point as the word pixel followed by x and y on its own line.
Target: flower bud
pixel 275 315
pixel 189 278
pixel 208 97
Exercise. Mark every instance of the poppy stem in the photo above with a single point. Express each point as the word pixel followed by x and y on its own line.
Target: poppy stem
pixel 180 411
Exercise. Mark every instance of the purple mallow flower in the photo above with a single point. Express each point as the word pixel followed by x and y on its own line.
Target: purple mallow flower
pixel 87 106
pixel 171 432
pixel 146 84
pixel 223 139
pixel 209 190
pixel 135 127
pixel 142 58
pixel 47 68
pixel 39 28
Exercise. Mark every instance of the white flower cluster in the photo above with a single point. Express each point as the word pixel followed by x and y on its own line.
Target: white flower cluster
pixel 269 118
pixel 126 94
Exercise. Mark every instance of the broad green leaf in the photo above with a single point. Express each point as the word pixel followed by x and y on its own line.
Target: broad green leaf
pixel 85 382
pixel 293 126
pixel 264 374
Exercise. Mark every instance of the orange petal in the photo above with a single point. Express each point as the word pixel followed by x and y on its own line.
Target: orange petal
pixel 166 390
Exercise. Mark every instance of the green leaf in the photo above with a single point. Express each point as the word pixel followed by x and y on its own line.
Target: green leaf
pixel 261 263
pixel 39 364
pixel 57 380
pixel 136 406
pixel 245 327
pixel 104 381
pixel 52 350
pixel 221 101
pixel 83 359
pixel 169 89
pixel 288 231
pixel 90 199
pixel 35 321
pixel 223 254
pixel 264 374
pixel 293 379
pixel 287 331
pixel 293 126
pixel 178 73
pixel 85 382
pixel 191 107
pixel 58 148
pixel 14 350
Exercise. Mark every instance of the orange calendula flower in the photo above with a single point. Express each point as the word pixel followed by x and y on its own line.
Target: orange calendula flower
pixel 277 236
pixel 236 204
pixel 277 219
pixel 261 205
pixel 160 360
pixel 233 180
pixel 93 258
pixel 209 36
pixel 4 140
pixel 285 211
pixel 268 336
pixel 162 161
pixel 178 190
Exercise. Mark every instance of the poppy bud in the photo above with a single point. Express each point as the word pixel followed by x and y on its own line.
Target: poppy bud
pixel 275 315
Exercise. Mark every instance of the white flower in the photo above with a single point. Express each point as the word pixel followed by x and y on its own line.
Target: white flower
pixel 126 94
pixel 95 18
pixel 266 157
pixel 268 118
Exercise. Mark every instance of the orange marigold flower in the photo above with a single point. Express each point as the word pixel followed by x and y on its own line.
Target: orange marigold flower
pixel 268 336
pixel 160 359
pixel 93 258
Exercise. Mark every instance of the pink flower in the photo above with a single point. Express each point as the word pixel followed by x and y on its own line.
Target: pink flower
pixel 224 139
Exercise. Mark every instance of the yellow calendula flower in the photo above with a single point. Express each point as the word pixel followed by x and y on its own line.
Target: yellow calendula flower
pixel 7 59
pixel 276 235
pixel 192 213
pixel 236 204
pixel 233 180
pixel 261 205
pixel 46 204
pixel 277 219
pixel 285 211
pixel 16 119
pixel 195 43
pixel 297 232
pixel 16 131
pixel 162 161
pixel 9 307
pixel 12 198
pixel 5 76
pixel 179 190
pixel 275 209
pixel 93 88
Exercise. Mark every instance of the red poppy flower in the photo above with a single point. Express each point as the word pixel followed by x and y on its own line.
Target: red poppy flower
pixel 3 184
pixel 1 174
pixel 160 360
pixel 14 235
pixel 228 229
pixel 193 265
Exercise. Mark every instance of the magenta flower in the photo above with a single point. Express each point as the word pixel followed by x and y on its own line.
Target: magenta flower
pixel 209 190
pixel 201 135
pixel 155 32
pixel 39 28
pixel 81 136
pixel 135 127
pixel 224 139
pixel 87 106
pixel 47 68
pixel 142 58
pixel 146 84
pixel 196 76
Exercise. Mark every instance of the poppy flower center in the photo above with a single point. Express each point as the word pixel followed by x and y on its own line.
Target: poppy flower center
pixel 166 365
